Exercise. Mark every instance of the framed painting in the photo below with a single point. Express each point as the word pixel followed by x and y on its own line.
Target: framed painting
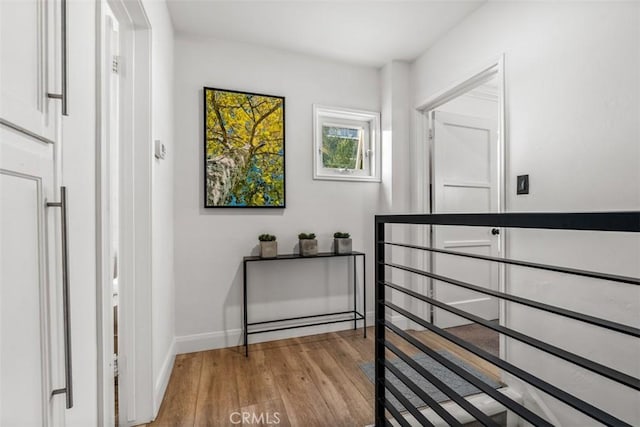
pixel 244 161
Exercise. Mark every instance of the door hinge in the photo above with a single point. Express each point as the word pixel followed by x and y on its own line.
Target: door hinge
pixel 430 133
pixel 115 365
pixel 115 64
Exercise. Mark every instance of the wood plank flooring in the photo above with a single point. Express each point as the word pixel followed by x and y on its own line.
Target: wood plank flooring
pixel 308 381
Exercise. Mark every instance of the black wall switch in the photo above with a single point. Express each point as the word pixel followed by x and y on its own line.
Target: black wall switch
pixel 522 184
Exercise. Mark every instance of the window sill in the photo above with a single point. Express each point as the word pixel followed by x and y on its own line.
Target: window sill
pixel 347 178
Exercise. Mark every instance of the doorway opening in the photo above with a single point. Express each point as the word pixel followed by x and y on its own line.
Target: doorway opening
pixel 465 136
pixel 123 209
pixel 112 139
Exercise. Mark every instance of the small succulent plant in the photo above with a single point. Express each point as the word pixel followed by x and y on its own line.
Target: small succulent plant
pixel 341 235
pixel 306 236
pixel 266 237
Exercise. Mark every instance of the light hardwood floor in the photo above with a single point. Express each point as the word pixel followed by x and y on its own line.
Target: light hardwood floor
pixel 308 381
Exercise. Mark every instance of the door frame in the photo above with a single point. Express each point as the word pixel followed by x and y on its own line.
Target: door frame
pixel 134 260
pixel 426 171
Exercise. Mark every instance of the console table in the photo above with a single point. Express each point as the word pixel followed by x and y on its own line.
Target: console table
pixel 318 317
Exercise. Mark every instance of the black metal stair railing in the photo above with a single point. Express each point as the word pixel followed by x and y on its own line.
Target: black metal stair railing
pixel 628 222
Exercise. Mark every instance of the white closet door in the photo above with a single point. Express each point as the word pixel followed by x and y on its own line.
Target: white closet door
pixel 26 178
pixel 29 46
pixel 30 310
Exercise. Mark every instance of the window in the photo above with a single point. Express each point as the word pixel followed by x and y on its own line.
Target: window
pixel 346 144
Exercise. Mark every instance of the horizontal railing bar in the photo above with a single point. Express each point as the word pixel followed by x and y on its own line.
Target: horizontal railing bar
pixel 481 417
pixel 437 408
pixel 548 267
pixel 396 414
pixel 583 362
pixel 625 221
pixel 350 312
pixel 614 326
pixel 408 406
pixel 284 328
pixel 510 404
pixel 563 396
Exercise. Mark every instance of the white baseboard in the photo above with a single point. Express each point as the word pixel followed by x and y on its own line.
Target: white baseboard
pixel 399 320
pixel 233 337
pixel 162 381
pixel 208 341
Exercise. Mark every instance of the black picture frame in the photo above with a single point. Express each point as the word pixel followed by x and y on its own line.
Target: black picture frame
pixel 235 122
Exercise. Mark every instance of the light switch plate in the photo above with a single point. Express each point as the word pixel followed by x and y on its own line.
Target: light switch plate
pixel 522 184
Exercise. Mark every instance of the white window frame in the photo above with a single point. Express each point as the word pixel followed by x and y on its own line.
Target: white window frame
pixel 357 119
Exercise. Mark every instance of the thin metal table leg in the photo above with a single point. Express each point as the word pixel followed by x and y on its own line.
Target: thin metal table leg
pixel 244 311
pixel 364 294
pixel 355 298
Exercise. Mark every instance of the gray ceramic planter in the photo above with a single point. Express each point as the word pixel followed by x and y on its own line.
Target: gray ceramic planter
pixel 308 247
pixel 342 246
pixel 269 249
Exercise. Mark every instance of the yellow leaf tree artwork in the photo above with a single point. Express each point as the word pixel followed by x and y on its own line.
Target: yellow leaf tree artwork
pixel 244 149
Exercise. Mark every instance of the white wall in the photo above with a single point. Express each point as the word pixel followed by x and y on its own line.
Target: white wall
pixel 210 243
pixel 395 187
pixel 396 98
pixel 163 291
pixel 573 109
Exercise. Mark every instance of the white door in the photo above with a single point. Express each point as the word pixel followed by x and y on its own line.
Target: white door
pixel 26 377
pixel 465 162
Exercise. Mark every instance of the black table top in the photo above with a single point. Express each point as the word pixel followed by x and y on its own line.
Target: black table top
pixel 298 256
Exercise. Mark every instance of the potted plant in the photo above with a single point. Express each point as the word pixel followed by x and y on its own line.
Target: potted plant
pixel 308 244
pixel 268 246
pixel 342 242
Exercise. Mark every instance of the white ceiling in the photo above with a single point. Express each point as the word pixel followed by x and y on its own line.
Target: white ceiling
pixel 363 32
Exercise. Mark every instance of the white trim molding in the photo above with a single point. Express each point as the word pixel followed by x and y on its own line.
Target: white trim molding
pixel 233 337
pixel 208 341
pixel 163 378
pixel 136 384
